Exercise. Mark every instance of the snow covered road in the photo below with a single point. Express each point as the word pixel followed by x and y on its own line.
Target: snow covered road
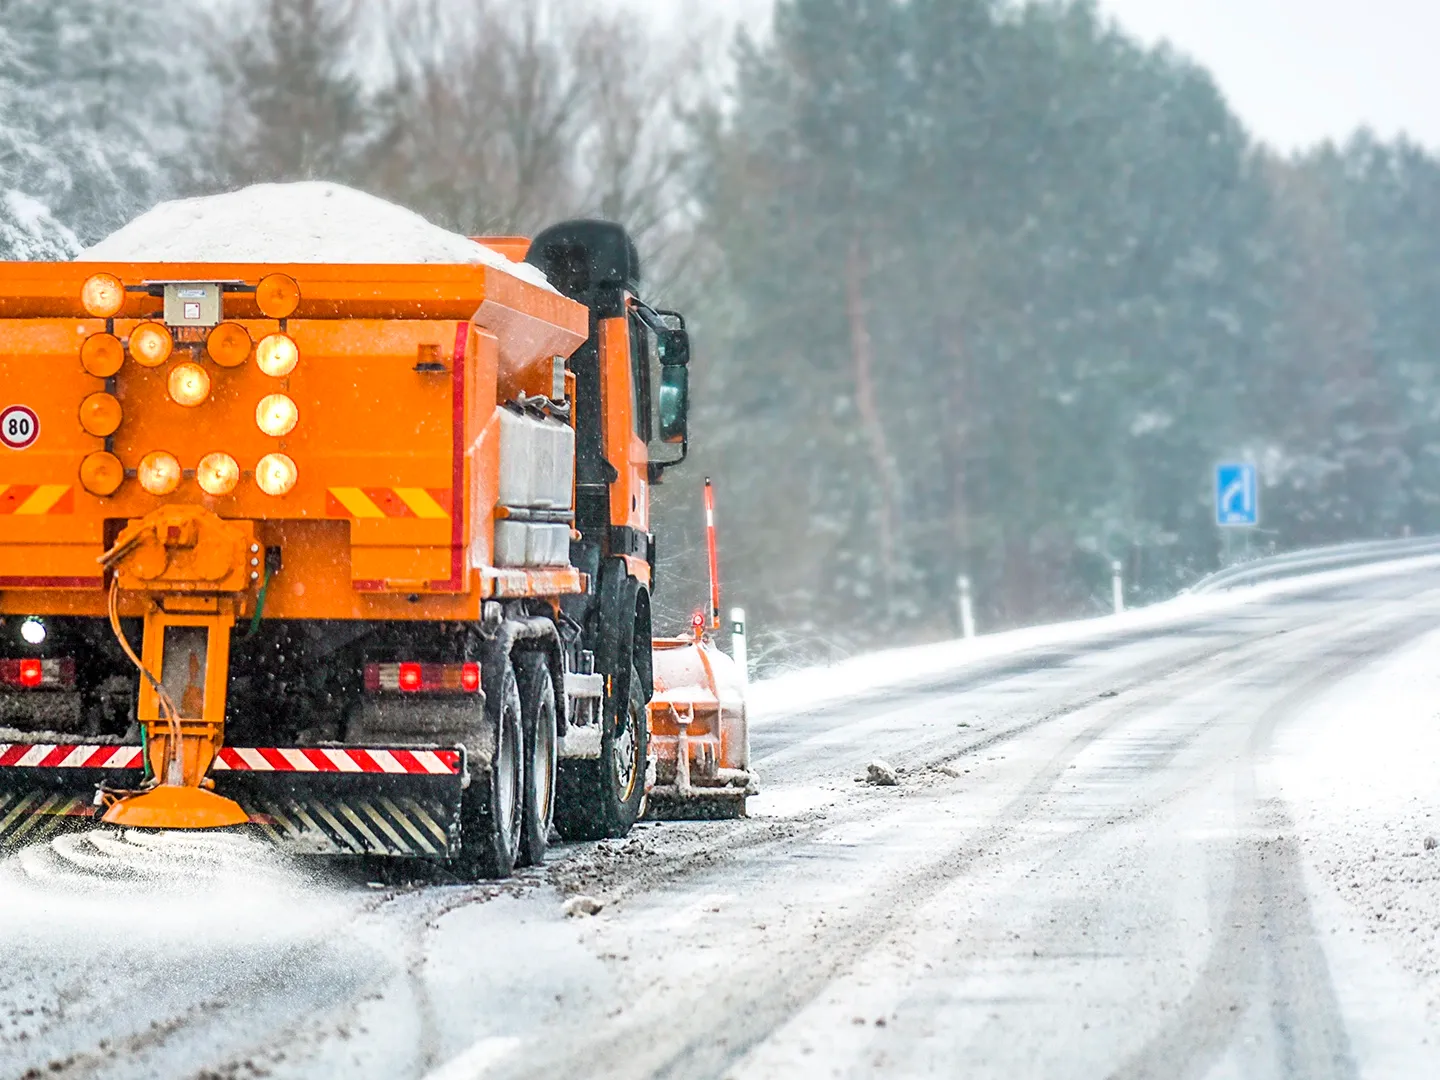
pixel 1187 846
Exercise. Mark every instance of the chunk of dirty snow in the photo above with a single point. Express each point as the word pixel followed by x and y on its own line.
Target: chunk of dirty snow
pixel 881 774
pixel 305 222
pixel 582 905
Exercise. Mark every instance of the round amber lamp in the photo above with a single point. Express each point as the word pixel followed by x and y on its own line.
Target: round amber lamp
pixel 100 414
pixel 102 295
pixel 276 415
pixel 229 344
pixel 217 474
pixel 101 473
pixel 159 473
pixel 151 344
pixel 277 296
pixel 277 355
pixel 189 385
pixel 276 474
pixel 102 355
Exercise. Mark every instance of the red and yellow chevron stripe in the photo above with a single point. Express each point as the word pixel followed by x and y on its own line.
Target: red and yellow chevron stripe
pixel 34 500
pixel 403 502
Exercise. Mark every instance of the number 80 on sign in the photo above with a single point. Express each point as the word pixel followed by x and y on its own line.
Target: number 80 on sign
pixel 19 427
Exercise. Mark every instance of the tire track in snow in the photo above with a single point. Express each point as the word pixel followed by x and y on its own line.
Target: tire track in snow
pixel 784 983
pixel 1267 918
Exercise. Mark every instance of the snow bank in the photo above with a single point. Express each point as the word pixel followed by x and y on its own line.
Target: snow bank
pixel 309 222
pixel 1358 771
pixel 810 688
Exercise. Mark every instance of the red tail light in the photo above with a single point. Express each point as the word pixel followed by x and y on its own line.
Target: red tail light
pixel 412 678
pixel 32 674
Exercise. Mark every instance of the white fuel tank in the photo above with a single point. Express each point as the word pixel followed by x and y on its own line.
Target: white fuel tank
pixel 537 477
pixel 537 462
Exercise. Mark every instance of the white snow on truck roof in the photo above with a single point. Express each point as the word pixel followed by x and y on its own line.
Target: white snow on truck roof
pixel 306 222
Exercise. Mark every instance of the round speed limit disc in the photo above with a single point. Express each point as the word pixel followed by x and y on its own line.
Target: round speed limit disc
pixel 19 427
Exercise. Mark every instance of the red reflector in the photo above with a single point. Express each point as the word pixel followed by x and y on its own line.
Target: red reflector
pixel 414 678
pixel 31 673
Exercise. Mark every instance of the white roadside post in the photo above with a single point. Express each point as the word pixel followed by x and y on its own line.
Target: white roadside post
pixel 967 608
pixel 1117 586
pixel 737 642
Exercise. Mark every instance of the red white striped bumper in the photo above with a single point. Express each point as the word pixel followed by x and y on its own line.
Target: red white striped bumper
pixel 393 761
pixel 402 801
pixel 51 756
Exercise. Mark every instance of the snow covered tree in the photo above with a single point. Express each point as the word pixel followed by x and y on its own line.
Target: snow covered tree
pixel 992 266
pixel 287 101
pixel 505 117
pixel 28 230
pixel 89 94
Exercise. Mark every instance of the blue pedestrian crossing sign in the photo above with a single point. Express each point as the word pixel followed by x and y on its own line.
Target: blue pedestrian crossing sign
pixel 1237 495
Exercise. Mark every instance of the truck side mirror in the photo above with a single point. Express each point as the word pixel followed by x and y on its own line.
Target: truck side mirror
pixel 673 345
pixel 674 403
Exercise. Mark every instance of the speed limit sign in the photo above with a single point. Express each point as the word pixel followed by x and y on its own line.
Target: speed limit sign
pixel 19 427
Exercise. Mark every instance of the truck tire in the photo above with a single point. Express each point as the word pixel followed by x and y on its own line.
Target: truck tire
pixel 492 810
pixel 603 797
pixel 537 713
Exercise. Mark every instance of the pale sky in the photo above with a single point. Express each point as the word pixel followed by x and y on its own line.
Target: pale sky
pixel 1299 71
pixel 1296 71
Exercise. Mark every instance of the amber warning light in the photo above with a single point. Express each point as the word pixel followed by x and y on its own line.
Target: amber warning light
pixel 276 474
pixel 217 474
pixel 189 385
pixel 159 473
pixel 102 295
pixel 151 344
pixel 277 355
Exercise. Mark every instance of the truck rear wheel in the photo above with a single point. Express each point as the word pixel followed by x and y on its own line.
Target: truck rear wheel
pixel 602 797
pixel 537 711
pixel 492 810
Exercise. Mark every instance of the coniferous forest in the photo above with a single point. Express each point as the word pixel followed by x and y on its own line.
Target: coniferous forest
pixel 977 287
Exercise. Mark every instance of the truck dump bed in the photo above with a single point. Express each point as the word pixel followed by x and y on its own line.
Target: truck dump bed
pixel 396 447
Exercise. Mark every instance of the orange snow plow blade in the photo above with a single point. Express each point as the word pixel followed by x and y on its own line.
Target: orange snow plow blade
pixel 698 733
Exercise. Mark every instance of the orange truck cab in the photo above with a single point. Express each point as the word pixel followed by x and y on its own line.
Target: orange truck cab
pixel 358 556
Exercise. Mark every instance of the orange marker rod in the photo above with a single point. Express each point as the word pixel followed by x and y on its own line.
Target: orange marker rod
pixel 714 560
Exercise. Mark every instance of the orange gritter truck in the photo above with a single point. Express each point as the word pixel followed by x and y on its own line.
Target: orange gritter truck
pixel 357 556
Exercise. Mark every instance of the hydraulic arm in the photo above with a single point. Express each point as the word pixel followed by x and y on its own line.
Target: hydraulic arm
pixel 194 573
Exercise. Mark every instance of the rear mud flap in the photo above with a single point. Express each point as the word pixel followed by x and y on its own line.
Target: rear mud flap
pixel 36 812
pixel 47 789
pixel 371 802
pixel 350 814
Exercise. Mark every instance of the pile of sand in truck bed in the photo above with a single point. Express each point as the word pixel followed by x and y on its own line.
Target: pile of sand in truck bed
pixel 308 222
